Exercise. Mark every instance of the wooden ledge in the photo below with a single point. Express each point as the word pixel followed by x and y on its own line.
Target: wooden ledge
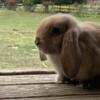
pixel 41 87
pixel 26 72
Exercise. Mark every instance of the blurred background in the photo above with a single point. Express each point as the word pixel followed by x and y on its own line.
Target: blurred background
pixel 19 20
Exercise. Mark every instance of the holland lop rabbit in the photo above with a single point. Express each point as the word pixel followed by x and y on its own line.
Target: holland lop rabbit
pixel 72 46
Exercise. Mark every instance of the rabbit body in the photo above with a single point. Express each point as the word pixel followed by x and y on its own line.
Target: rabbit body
pixel 72 46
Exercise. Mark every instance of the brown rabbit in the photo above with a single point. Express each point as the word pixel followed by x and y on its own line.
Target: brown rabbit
pixel 72 46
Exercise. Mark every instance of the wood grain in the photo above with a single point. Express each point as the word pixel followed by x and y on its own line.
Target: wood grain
pixel 24 72
pixel 42 87
pixel 62 98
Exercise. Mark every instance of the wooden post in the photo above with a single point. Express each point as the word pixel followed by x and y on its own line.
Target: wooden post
pixel 46 6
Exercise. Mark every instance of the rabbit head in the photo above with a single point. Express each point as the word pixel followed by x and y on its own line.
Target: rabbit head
pixel 51 31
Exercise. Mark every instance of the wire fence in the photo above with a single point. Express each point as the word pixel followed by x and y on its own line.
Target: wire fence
pixel 91 7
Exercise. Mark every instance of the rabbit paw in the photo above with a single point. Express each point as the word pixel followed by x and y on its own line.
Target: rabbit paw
pixel 64 80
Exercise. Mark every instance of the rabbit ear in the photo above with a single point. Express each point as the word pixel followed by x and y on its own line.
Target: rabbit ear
pixel 70 54
pixel 42 56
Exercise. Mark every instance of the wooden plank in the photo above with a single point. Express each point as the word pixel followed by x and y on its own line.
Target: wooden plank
pixel 25 72
pixel 43 90
pixel 41 87
pixel 26 79
pixel 61 98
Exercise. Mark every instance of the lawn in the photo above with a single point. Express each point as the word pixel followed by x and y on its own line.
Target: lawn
pixel 17 32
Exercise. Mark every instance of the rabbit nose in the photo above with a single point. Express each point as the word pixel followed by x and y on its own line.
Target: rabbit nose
pixel 37 41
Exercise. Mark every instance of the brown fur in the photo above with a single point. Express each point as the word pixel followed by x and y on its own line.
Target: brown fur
pixel 73 47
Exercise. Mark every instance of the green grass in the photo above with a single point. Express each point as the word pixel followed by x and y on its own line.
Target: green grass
pixel 17 32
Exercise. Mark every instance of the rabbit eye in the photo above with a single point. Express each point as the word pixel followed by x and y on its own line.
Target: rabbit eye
pixel 55 30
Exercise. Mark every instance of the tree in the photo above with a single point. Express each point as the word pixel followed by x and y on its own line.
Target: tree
pixel 11 4
pixel 30 5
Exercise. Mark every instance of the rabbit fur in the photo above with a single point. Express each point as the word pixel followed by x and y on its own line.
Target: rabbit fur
pixel 72 46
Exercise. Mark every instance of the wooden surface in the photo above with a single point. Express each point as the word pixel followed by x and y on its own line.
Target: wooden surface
pixel 41 87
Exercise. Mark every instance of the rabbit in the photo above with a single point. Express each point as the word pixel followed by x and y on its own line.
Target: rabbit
pixel 72 46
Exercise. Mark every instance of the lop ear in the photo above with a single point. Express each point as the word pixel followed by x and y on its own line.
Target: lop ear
pixel 70 54
pixel 42 56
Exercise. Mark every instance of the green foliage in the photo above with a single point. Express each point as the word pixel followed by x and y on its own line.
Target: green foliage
pixel 30 2
pixel 68 1
pixel 19 1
